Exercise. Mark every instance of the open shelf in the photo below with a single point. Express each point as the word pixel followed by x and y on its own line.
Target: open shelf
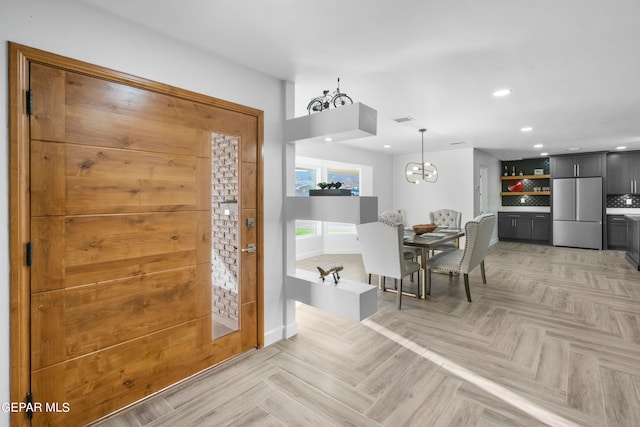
pixel 525 193
pixel 340 124
pixel 351 209
pixel 512 177
pixel 353 300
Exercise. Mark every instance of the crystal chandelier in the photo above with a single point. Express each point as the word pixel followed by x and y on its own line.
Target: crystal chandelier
pixel 423 171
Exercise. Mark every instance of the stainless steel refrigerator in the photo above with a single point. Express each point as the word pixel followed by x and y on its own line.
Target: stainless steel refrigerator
pixel 577 212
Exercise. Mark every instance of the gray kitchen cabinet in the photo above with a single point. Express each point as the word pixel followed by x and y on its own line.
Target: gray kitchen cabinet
pixel 515 226
pixel 524 227
pixel 616 232
pixel 623 173
pixel 540 227
pixel 584 165
pixel 633 241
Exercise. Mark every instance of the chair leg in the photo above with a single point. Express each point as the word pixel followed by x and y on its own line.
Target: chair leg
pixel 399 295
pixel 484 277
pixel 428 284
pixel 466 287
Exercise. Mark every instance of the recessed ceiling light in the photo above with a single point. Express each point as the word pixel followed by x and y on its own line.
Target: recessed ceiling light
pixel 386 146
pixel 544 154
pixel 526 129
pixel 574 148
pixel 538 146
pixel 328 139
pixel 622 147
pixel 501 92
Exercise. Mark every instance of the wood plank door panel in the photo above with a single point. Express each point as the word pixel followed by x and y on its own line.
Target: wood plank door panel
pixel 122 238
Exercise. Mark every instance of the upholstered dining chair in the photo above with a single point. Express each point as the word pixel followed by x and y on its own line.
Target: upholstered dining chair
pixel 446 218
pixel 478 233
pixel 395 216
pixel 382 253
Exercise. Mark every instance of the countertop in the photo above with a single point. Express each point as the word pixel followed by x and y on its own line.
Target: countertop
pixel 623 211
pixel 544 209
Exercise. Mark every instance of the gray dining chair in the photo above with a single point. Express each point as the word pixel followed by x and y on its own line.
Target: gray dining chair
pixel 478 234
pixel 446 218
pixel 382 253
pixel 394 216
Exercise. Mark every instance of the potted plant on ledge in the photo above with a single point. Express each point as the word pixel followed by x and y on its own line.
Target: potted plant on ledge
pixel 330 189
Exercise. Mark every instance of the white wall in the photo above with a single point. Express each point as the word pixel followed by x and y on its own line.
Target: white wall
pixel 454 189
pixel 457 187
pixel 78 31
pixel 381 163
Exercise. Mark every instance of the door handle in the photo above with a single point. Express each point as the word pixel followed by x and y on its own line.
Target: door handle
pixel 251 247
pixel 578 169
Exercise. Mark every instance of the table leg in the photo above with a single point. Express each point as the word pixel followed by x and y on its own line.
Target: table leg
pixel 423 262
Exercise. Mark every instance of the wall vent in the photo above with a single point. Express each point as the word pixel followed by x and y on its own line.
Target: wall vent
pixel 404 119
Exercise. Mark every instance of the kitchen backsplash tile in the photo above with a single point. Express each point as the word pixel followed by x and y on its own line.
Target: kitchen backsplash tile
pixel 618 201
pixel 528 201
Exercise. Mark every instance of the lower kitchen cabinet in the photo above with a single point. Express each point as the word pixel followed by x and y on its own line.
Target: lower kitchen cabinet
pixel 633 241
pixel 524 227
pixel 616 232
pixel 541 227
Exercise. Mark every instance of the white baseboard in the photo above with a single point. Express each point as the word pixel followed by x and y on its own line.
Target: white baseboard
pixel 290 330
pixel 280 333
pixel 273 336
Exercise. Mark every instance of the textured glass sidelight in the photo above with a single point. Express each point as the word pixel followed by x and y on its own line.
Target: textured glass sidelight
pixel 225 234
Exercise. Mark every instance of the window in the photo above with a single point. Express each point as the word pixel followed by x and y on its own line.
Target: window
pixel 308 174
pixel 306 179
pixel 350 178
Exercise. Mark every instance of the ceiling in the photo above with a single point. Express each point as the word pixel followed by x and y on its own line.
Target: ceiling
pixel 573 66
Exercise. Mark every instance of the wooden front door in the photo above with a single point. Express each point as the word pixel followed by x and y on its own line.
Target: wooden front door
pixel 141 202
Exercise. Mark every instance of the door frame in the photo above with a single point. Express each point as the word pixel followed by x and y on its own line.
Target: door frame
pixel 19 196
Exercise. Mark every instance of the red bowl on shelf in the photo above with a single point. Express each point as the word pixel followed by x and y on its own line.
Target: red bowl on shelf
pixel 515 186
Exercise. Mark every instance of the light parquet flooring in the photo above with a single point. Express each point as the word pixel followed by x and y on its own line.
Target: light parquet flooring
pixel 553 338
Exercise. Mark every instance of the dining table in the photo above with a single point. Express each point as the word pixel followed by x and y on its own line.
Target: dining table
pixel 427 242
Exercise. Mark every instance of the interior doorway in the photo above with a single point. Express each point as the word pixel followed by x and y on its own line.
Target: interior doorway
pixel 484 189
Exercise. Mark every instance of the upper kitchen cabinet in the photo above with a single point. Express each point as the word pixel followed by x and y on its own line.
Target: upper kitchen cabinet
pixel 623 172
pixel 584 165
